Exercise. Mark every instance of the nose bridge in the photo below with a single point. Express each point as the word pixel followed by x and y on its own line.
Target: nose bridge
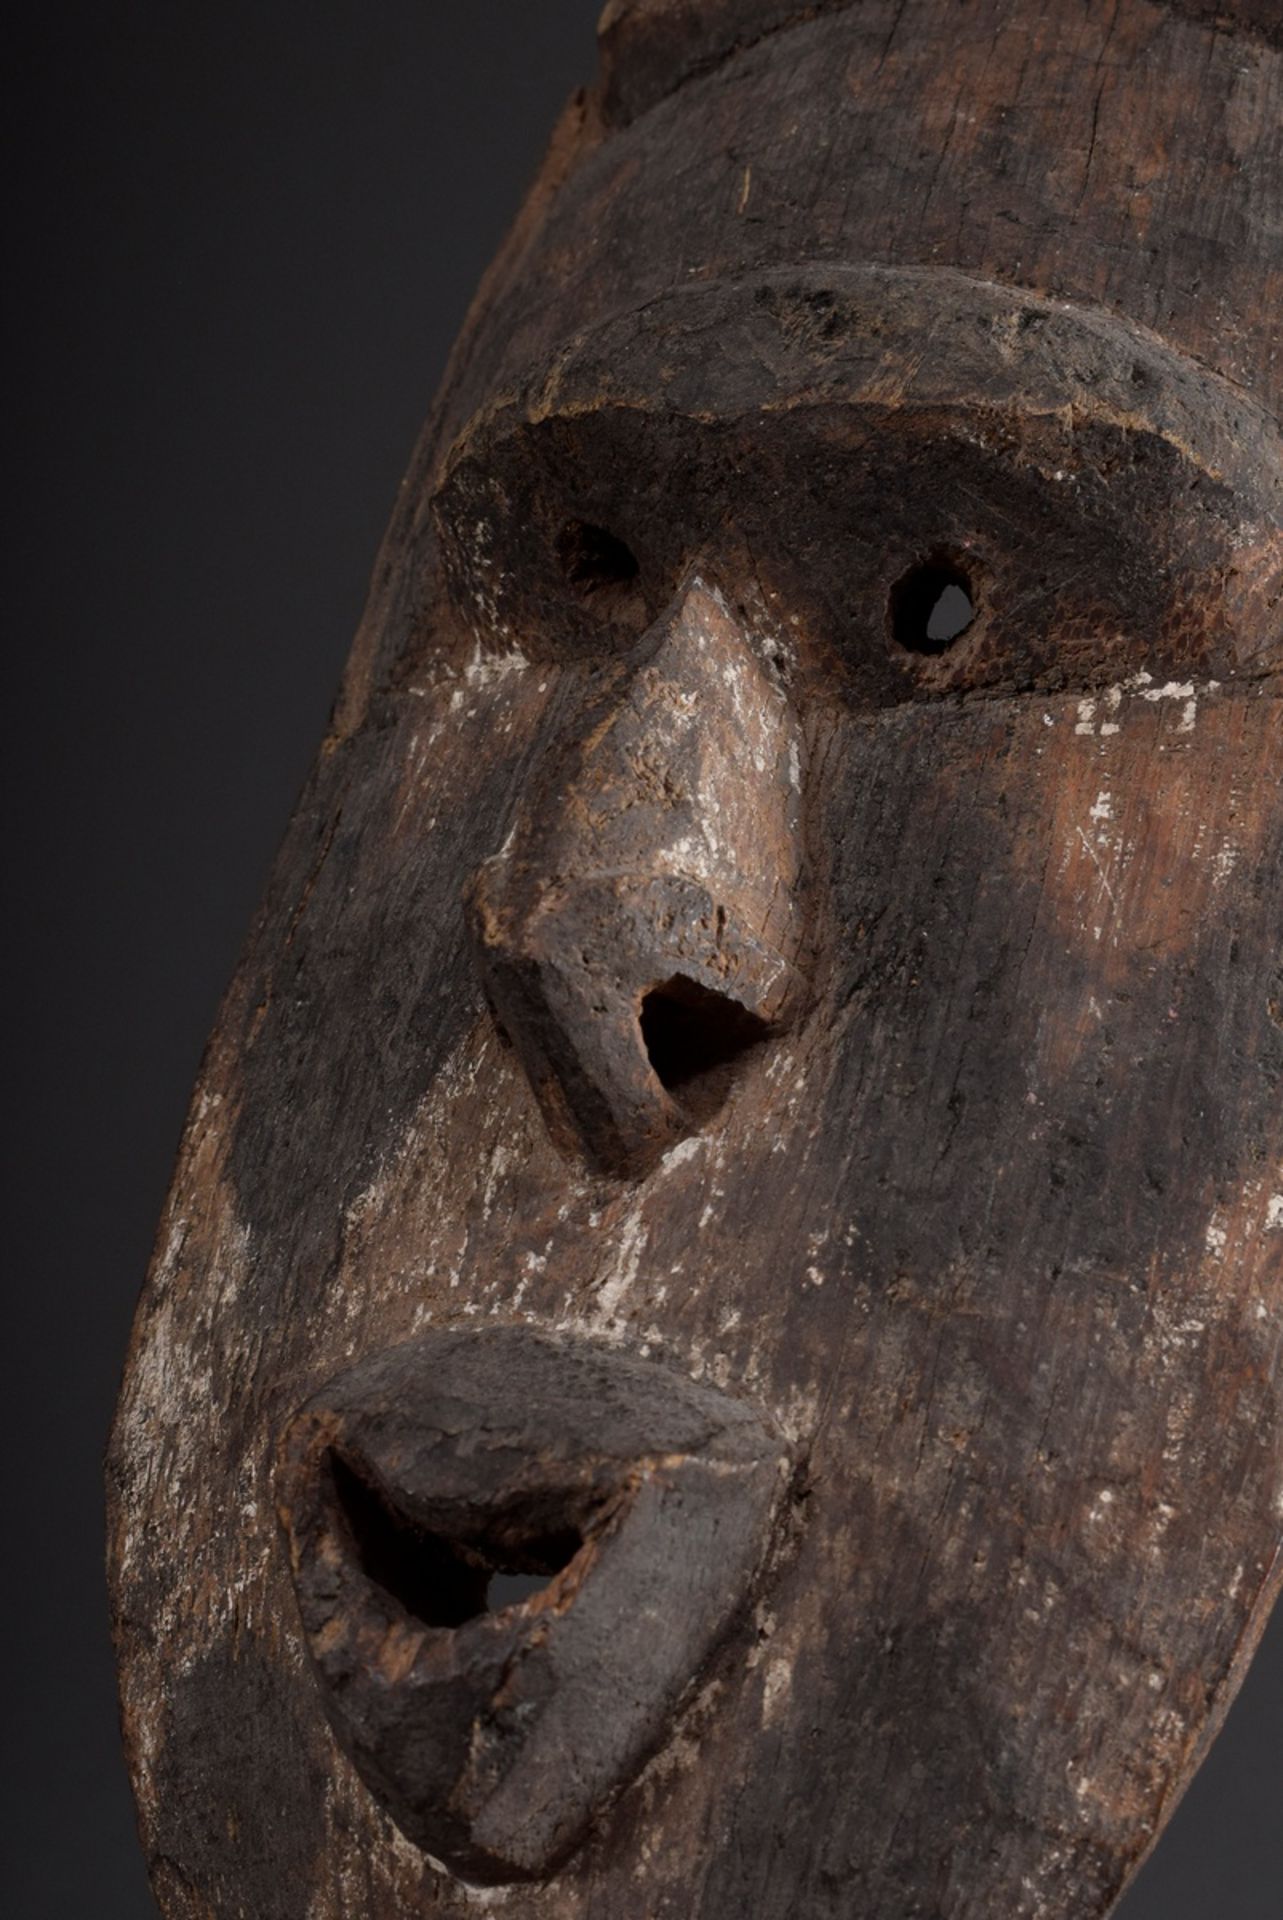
pixel 640 928
pixel 693 770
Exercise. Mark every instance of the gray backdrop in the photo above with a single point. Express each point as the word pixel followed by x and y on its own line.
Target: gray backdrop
pixel 245 237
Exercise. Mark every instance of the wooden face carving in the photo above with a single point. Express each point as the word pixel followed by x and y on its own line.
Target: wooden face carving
pixel 753 1106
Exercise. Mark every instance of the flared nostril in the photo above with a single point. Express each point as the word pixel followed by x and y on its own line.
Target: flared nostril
pixel 697 1040
pixel 594 559
pixel 631 1020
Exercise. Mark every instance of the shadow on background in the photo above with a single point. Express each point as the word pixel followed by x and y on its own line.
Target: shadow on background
pixel 247 236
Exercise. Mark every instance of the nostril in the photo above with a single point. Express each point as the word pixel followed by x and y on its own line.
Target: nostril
pixel 593 558
pixel 440 1581
pixel 695 1038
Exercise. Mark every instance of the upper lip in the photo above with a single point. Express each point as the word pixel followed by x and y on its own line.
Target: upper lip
pixel 492 1737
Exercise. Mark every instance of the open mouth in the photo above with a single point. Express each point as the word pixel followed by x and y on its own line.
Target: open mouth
pixel 513 1554
pixel 443 1582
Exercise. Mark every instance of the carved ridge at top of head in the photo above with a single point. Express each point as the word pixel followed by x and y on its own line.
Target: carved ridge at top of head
pixel 649 47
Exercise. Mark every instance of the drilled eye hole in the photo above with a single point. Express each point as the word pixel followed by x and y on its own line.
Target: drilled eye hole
pixel 695 1039
pixel 931 607
pixel 443 1582
pixel 593 559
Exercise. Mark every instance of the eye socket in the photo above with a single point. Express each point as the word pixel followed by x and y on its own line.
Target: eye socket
pixel 594 559
pixel 932 606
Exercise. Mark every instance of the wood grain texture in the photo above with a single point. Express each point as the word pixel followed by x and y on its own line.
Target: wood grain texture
pixel 987 1229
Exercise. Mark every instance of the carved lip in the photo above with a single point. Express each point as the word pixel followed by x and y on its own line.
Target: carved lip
pixel 513 1554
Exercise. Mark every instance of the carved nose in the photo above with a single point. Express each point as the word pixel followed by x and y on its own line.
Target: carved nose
pixel 638 932
pixel 415 1483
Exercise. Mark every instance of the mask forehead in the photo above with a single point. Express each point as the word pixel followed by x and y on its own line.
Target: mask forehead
pixel 989 1234
pixel 848 139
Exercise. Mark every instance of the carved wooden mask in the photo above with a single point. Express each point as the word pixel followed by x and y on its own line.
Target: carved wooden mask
pixel 715 1344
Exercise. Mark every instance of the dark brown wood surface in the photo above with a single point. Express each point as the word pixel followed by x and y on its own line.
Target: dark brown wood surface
pixel 983 1219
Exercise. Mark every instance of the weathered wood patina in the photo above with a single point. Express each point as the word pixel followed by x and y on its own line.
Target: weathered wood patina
pixel 715 1346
